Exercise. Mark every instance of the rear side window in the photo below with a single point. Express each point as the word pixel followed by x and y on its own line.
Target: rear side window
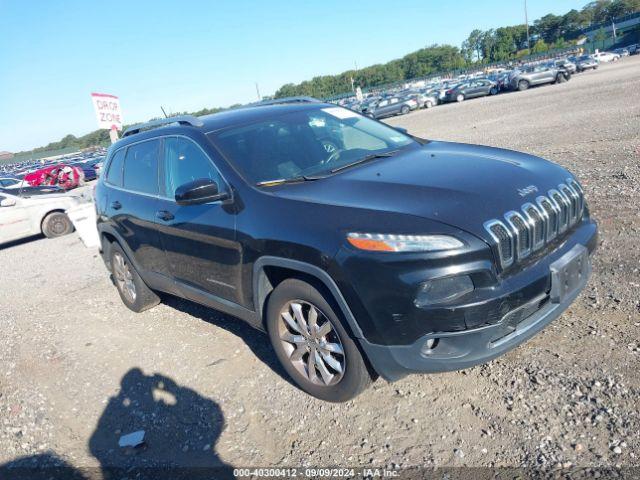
pixel 114 175
pixel 141 167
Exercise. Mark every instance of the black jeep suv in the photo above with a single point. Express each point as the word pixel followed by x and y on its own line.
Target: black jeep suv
pixel 361 250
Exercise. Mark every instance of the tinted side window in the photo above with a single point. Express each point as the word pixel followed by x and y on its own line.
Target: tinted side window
pixel 141 167
pixel 114 175
pixel 186 162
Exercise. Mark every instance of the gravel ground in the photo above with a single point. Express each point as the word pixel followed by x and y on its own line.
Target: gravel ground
pixel 78 370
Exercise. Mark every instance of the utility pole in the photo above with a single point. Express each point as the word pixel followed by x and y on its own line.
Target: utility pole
pixel 613 25
pixel 258 92
pixel 526 21
pixel 353 88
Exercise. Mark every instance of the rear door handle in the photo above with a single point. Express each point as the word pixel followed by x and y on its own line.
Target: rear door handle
pixel 116 205
pixel 164 215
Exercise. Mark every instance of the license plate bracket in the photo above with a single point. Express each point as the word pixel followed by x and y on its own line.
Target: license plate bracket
pixel 569 272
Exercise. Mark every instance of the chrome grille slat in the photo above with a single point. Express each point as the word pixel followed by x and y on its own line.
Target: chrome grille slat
pixel 563 207
pixel 551 214
pixel 522 231
pixel 504 240
pixel 578 189
pixel 537 224
pixel 572 195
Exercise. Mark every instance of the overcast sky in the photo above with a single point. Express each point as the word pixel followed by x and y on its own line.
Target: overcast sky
pixel 196 54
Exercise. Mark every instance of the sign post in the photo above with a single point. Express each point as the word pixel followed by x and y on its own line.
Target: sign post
pixel 108 113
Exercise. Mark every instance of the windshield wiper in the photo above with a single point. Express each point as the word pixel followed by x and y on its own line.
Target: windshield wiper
pixel 281 181
pixel 365 159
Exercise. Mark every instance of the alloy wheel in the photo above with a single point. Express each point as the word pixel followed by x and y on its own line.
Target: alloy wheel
pixel 311 343
pixel 58 225
pixel 124 277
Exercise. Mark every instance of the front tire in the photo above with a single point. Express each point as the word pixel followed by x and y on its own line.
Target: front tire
pixel 133 291
pixel 523 85
pixel 56 224
pixel 313 345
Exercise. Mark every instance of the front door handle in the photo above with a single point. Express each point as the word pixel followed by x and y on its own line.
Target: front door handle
pixel 116 205
pixel 164 215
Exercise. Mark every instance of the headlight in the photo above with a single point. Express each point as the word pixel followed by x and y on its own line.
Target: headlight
pixel 379 242
pixel 442 290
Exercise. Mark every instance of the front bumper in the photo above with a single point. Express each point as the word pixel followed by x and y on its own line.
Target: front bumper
pixel 457 350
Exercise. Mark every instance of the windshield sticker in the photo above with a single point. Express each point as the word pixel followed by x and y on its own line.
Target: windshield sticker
pixel 339 112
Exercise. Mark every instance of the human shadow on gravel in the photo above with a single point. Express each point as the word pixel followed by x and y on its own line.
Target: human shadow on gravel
pixel 180 426
pixel 258 342
pixel 181 429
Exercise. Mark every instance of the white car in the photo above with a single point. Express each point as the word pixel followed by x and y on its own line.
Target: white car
pixel 606 56
pixel 23 217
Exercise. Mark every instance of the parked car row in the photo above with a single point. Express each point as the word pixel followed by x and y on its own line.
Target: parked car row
pixel 57 175
pixel 432 92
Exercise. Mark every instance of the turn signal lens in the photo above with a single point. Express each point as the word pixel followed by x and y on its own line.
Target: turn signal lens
pixel 378 242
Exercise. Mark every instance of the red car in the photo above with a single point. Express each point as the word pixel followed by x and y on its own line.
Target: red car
pixel 65 176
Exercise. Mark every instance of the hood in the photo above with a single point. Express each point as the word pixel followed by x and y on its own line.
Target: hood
pixel 457 184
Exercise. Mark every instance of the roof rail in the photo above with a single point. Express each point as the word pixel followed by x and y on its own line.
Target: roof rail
pixel 283 100
pixel 180 119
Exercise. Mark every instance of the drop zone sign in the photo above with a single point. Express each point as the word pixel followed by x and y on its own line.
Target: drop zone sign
pixel 107 111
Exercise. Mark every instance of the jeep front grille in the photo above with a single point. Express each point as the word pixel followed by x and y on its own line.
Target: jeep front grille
pixel 535 225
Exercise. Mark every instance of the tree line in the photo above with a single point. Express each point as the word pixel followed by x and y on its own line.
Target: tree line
pixel 549 31
pixel 101 137
pixel 494 45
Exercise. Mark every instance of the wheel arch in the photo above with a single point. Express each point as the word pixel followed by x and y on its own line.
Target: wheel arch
pixel 107 237
pixel 269 271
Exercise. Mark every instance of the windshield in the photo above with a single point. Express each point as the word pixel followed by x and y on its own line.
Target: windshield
pixel 310 142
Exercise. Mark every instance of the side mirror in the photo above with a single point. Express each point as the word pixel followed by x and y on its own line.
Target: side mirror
pixel 202 190
pixel 402 130
pixel 7 202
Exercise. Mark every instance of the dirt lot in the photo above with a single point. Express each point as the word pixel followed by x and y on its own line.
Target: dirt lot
pixel 77 369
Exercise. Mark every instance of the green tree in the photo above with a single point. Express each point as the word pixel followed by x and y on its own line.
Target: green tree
pixel 540 47
pixel 472 46
pixel 549 27
pixel 600 35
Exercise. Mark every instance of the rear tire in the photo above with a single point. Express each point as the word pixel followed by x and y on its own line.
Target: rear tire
pixel 56 224
pixel 311 355
pixel 459 98
pixel 133 291
pixel 404 110
pixel 523 85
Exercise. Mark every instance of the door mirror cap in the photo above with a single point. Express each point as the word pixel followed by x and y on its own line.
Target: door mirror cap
pixel 402 130
pixel 7 202
pixel 202 190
